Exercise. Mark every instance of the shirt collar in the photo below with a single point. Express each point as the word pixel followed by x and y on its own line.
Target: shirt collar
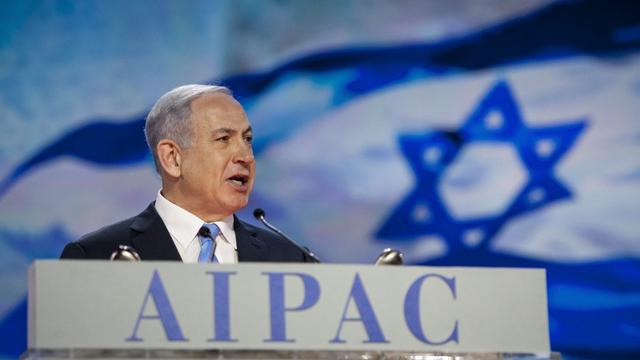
pixel 184 226
pixel 226 228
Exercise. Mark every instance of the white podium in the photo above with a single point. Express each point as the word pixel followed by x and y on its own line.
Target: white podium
pixel 118 310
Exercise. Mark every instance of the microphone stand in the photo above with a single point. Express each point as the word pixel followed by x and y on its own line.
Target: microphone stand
pixel 260 215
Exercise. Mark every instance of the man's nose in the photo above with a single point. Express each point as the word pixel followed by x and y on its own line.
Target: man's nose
pixel 244 154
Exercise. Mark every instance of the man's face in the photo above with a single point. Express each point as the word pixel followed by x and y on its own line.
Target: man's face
pixel 217 170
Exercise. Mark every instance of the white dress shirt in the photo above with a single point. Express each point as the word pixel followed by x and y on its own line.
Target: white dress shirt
pixel 183 227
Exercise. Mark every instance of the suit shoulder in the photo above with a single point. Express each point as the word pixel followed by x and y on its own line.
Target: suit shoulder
pixel 101 243
pixel 108 232
pixel 279 249
pixel 267 236
pixel 262 233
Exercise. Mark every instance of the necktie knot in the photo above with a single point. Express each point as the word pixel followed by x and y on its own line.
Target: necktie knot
pixel 207 235
pixel 209 230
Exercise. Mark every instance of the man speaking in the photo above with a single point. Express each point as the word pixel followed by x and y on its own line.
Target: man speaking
pixel 200 138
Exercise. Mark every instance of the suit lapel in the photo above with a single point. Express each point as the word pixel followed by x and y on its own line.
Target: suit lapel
pixel 250 248
pixel 151 238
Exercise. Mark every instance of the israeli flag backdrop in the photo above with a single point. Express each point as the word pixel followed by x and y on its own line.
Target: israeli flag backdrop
pixel 464 133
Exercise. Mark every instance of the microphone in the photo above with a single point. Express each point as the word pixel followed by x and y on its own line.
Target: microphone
pixel 259 214
pixel 390 257
pixel 125 253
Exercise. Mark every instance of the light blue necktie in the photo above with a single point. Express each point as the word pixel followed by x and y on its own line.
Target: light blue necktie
pixel 207 236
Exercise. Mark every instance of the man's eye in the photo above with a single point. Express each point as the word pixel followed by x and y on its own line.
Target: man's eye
pixel 248 138
pixel 223 138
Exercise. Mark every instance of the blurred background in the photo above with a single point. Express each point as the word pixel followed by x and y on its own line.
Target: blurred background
pixel 466 133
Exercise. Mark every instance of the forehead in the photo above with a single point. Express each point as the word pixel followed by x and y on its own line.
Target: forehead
pixel 218 109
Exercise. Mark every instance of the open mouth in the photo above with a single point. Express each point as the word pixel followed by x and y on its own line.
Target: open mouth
pixel 239 180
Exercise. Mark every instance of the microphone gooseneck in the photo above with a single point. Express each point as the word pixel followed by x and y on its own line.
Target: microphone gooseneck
pixel 259 214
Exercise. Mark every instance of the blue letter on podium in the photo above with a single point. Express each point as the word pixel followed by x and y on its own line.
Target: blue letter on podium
pixel 412 309
pixel 276 298
pixel 165 312
pixel 367 316
pixel 221 306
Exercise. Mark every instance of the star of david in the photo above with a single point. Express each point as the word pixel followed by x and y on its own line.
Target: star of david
pixel 423 212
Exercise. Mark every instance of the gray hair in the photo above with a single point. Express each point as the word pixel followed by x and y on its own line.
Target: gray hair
pixel 170 116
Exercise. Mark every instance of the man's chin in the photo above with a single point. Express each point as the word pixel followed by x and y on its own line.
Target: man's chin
pixel 238 203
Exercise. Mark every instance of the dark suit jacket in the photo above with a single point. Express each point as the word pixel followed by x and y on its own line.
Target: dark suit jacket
pixel 148 235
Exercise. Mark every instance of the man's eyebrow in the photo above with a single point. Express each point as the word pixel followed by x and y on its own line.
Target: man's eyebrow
pixel 229 130
pixel 224 131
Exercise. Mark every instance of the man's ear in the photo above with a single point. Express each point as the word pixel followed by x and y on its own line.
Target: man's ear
pixel 169 157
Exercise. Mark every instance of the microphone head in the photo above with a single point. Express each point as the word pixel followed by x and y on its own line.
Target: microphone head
pixel 125 253
pixel 258 213
pixel 390 257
